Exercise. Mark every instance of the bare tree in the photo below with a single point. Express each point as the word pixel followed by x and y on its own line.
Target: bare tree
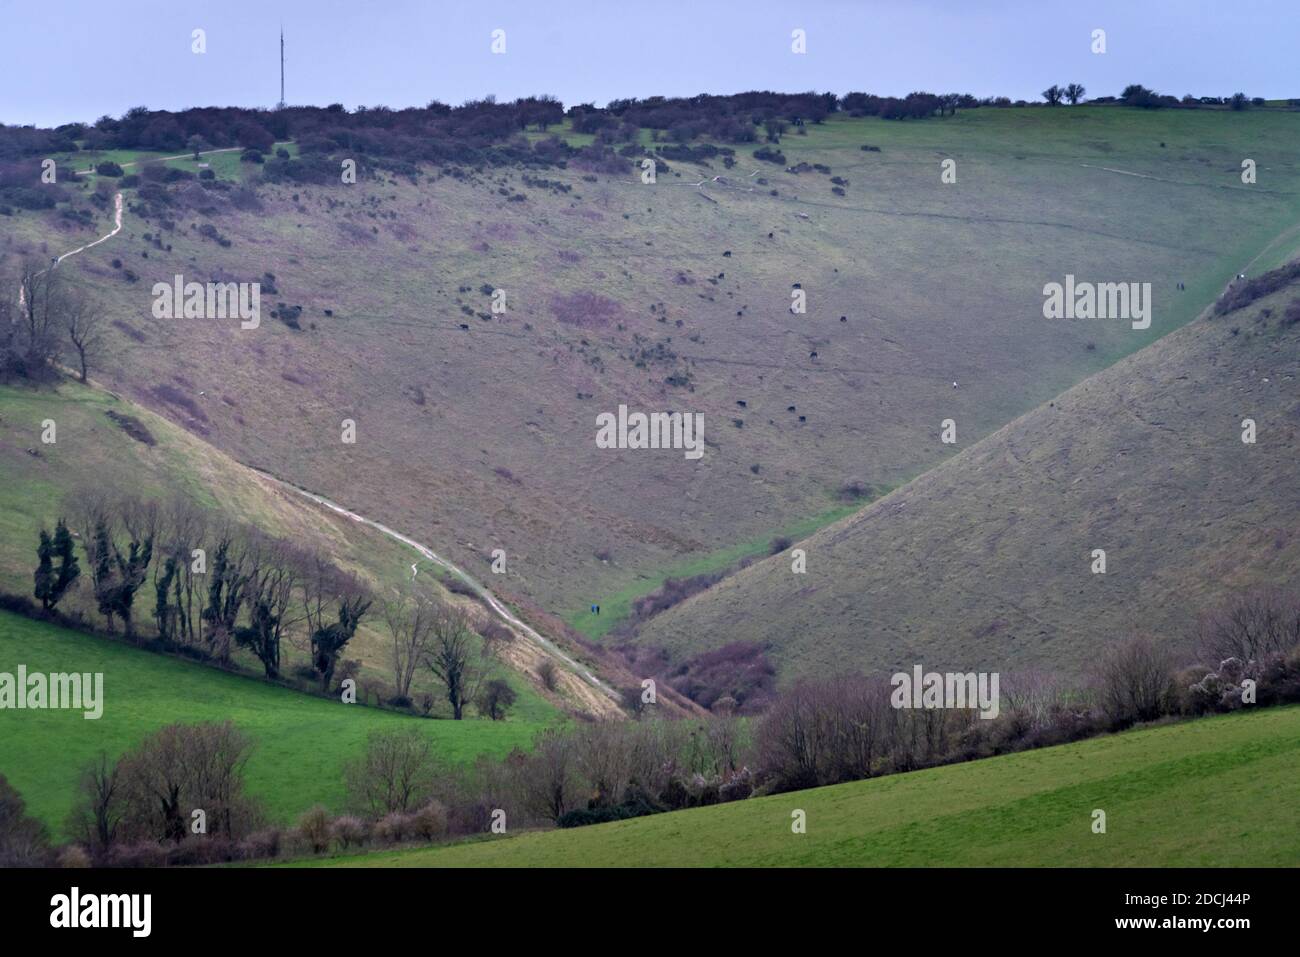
pixel 395 773
pixel 1251 626
pixel 1074 93
pixel 42 300
pixel 1053 95
pixel 453 658
pixel 183 768
pixel 1134 679
pixel 24 840
pixel 549 776
pixel 83 320
pixel 98 813
pixel 410 621
pixel 1033 699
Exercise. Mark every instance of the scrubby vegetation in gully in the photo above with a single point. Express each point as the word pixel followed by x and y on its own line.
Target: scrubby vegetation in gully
pixel 752 479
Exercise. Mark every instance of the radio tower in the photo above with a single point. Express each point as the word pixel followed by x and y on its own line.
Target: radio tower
pixel 280 105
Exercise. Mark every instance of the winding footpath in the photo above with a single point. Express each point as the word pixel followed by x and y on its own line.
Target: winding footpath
pixel 481 590
pixel 117 228
pixel 491 600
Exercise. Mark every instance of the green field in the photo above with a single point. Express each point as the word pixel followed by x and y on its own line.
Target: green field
pixel 1215 792
pixel 302 742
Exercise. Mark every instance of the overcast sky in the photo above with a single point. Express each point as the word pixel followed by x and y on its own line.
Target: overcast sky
pixel 79 59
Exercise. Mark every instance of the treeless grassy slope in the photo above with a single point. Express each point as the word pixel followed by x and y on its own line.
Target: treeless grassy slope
pixel 1215 792
pixel 484 438
pixel 986 560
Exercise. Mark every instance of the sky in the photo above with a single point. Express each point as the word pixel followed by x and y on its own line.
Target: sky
pixel 76 60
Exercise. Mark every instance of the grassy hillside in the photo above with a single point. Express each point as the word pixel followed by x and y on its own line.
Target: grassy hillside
pixel 1216 792
pixel 986 561
pixel 302 742
pixel 482 438
pixel 93 449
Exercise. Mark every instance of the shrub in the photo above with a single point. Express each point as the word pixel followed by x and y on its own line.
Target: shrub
pixel 1134 681
pixel 738 670
pixel 315 830
pixel 1243 293
pixel 392 828
pixel 142 854
pixel 108 168
pixel 260 845
pixel 1292 314
pixel 430 822
pixel 74 855
pixel 549 674
pixel 495 699
pixel 348 831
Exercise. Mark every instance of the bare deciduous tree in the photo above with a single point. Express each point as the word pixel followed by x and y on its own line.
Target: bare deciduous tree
pixel 1250 627
pixel 183 768
pixel 453 657
pixel 1134 679
pixel 395 773
pixel 83 320
pixel 98 813
pixel 549 779
pixel 410 621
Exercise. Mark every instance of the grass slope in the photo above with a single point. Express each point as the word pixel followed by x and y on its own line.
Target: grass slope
pixel 302 742
pixel 1217 792
pixel 985 561
pixel 483 438
pixel 92 450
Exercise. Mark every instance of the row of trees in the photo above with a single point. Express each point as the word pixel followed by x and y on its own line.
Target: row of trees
pixel 141 808
pixel 45 318
pixel 1055 94
pixel 218 586
pixel 1135 94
